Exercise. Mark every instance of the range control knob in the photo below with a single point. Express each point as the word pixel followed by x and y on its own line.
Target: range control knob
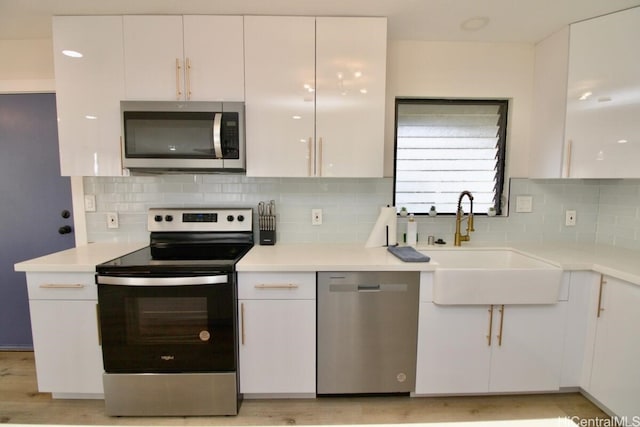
pixel 230 218
pixel 157 218
pixel 240 218
pixel 168 218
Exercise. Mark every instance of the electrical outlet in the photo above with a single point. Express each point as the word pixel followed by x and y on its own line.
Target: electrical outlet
pixel 570 218
pixel 316 216
pixel 524 204
pixel 112 220
pixel 89 202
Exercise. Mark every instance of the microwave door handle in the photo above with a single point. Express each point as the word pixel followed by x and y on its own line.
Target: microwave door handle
pixel 217 136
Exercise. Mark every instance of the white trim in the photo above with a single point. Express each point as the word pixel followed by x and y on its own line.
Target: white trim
pixel 79 216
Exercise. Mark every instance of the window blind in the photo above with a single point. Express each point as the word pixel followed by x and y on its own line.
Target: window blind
pixel 444 147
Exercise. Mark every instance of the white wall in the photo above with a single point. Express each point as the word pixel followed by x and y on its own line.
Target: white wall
pixel 465 70
pixel 26 66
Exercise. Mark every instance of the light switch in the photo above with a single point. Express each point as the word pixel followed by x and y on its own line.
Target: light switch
pixel 90 202
pixel 524 204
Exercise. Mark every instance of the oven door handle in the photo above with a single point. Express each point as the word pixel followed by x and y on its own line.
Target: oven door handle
pixel 162 281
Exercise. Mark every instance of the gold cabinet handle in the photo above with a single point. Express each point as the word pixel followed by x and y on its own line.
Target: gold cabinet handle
pixel 242 322
pixel 310 161
pixel 602 283
pixel 277 286
pixel 62 286
pixel 178 88
pixel 501 324
pixel 566 173
pixel 320 157
pixel 490 325
pixel 188 77
pixel 98 323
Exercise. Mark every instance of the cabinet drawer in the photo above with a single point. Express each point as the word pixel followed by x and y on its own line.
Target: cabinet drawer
pixel 276 285
pixel 61 286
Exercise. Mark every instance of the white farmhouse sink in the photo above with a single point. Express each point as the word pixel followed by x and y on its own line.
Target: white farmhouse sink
pixel 493 277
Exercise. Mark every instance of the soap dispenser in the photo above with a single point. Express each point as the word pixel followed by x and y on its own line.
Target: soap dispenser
pixel 412 231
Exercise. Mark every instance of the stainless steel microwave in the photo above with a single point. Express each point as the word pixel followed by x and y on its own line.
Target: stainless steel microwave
pixel 183 136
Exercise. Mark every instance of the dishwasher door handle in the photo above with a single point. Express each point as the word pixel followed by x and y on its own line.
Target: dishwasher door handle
pixel 368 288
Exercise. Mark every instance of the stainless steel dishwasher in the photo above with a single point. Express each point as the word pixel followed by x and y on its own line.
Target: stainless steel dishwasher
pixel 367 332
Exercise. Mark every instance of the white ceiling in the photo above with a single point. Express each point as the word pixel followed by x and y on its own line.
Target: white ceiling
pixel 527 21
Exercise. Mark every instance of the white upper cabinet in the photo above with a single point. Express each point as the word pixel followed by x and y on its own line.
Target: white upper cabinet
pixel 280 97
pixel 88 93
pixel 546 156
pixel 315 102
pixel 586 100
pixel 351 57
pixel 603 97
pixel 193 58
pixel 214 52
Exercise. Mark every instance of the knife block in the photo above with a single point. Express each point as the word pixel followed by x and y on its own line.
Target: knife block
pixel 267 227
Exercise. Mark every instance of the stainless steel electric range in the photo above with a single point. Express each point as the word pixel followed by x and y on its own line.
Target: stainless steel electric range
pixel 168 316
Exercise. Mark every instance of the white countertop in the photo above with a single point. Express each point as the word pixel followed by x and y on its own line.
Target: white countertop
pixel 620 263
pixel 325 257
pixel 79 259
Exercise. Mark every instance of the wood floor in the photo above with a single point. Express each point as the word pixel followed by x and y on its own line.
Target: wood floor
pixel 21 403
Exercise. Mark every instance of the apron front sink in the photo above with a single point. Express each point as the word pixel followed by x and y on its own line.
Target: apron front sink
pixel 502 276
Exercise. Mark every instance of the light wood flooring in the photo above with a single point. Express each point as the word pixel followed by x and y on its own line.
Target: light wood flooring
pixel 21 403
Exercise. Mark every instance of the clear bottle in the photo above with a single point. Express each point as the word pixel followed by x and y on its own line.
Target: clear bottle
pixel 412 231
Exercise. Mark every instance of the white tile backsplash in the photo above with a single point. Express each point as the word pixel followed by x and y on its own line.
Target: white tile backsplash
pixel 608 211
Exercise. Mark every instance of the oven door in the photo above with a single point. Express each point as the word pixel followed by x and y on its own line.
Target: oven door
pixel 167 324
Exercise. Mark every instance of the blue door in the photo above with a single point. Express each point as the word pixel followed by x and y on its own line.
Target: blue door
pixel 33 200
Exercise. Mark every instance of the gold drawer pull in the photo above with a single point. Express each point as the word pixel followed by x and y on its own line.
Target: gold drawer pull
pixel 242 322
pixel 490 325
pixel 62 286
pixel 277 286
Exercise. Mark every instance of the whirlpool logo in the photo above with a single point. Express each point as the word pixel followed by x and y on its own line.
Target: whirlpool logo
pixel 167 357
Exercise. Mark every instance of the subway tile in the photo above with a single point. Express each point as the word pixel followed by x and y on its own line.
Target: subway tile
pixel 608 210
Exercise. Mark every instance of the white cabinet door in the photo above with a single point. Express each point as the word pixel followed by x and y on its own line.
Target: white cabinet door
pixel 453 349
pixel 88 94
pixel 280 95
pixel 214 58
pixel 315 102
pixel 351 58
pixel 153 57
pixel 615 373
pixel 603 105
pixel 65 340
pixel 547 156
pixel 527 347
pixel 194 58
pixel 479 349
pixel 277 346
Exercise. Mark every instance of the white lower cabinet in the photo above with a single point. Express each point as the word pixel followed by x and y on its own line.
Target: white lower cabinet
pixel 479 349
pixel 615 371
pixel 64 325
pixel 277 327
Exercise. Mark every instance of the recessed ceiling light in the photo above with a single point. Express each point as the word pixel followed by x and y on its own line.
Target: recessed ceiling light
pixel 91 117
pixel 296 117
pixel 475 23
pixel 72 53
pixel 622 141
